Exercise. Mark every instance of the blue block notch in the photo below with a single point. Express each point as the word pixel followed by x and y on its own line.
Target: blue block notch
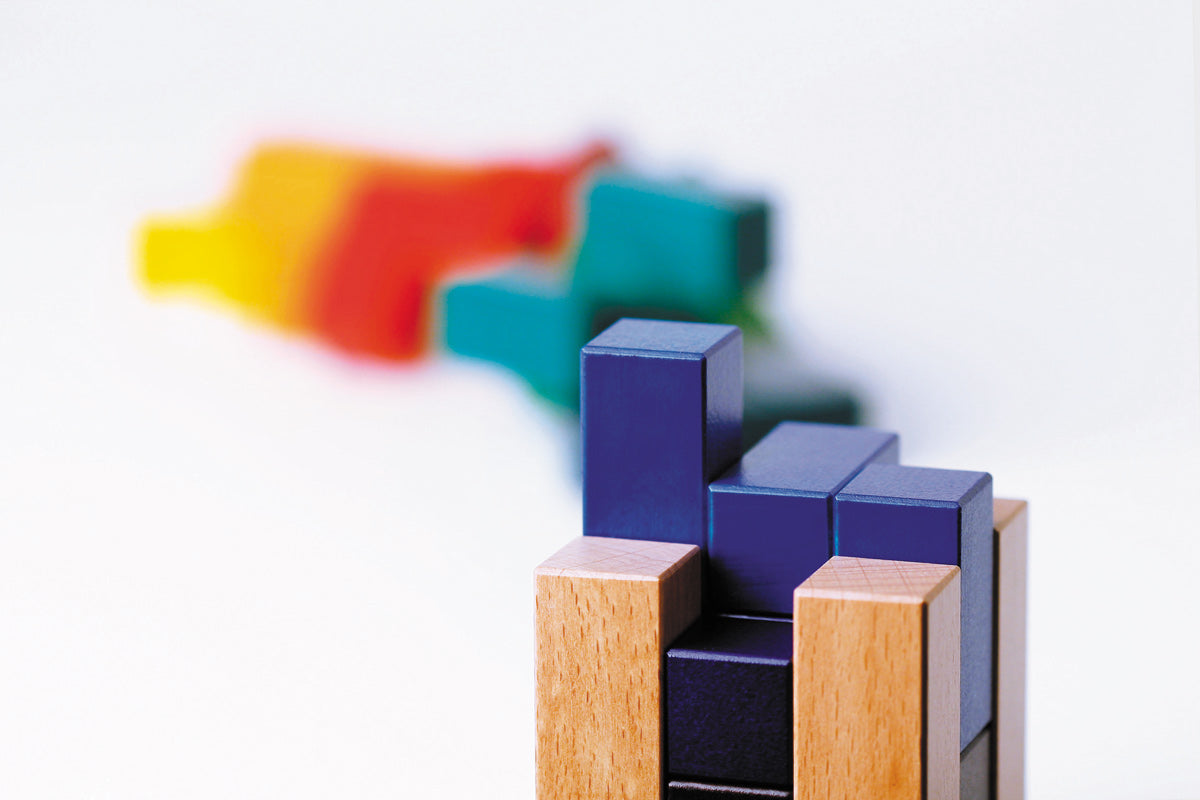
pixel 729 702
pixel 661 416
pixel 771 514
pixel 936 516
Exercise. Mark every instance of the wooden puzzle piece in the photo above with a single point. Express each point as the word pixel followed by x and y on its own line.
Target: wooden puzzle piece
pixel 606 611
pixel 876 694
pixel 771 513
pixel 1011 552
pixel 936 516
pixel 661 417
pixel 729 700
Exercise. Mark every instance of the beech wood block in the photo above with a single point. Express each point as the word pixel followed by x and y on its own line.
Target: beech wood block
pixel 606 611
pixel 1011 548
pixel 876 681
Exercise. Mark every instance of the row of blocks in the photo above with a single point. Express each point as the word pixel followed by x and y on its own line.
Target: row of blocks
pixel 823 508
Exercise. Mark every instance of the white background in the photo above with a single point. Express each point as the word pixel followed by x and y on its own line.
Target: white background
pixel 234 565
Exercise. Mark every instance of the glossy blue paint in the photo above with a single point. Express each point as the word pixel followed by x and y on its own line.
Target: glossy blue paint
pixel 661 416
pixel 729 702
pixel 771 514
pixel 935 516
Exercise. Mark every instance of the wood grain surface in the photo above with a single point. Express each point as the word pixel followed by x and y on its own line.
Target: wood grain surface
pixel 876 681
pixel 606 611
pixel 1008 715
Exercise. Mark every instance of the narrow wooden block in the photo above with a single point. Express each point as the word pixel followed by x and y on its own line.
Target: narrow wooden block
pixel 876 675
pixel 1011 551
pixel 689 790
pixel 661 417
pixel 772 512
pixel 606 611
pixel 975 768
pixel 729 700
pixel 937 516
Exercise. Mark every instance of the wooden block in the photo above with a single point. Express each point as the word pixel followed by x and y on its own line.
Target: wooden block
pixel 1011 548
pixel 691 790
pixel 975 768
pixel 606 611
pixel 876 681
pixel 729 702
pixel 936 516
pixel 771 512
pixel 661 417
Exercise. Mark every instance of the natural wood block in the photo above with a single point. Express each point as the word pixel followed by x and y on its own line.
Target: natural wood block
pixel 606 611
pixel 1011 548
pixel 876 681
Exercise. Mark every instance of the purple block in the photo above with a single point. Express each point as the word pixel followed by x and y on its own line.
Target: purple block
pixel 729 702
pixel 771 514
pixel 661 416
pixel 935 516
pixel 690 790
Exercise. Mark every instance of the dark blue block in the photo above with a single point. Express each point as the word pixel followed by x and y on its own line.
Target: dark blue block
pixel 689 790
pixel 729 702
pixel 661 416
pixel 772 513
pixel 936 516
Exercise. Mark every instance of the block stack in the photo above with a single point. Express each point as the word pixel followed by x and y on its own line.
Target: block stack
pixel 808 619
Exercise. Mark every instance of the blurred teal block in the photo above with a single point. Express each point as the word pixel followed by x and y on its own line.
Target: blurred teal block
pixel 524 319
pixel 667 250
pixel 671 246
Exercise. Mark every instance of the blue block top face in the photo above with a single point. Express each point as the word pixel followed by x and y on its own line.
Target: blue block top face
pixel 737 639
pixel 690 340
pixel 917 486
pixel 809 459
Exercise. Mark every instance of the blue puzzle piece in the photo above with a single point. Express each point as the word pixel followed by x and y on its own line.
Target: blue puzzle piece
pixel 771 520
pixel 936 516
pixel 729 702
pixel 690 790
pixel 661 417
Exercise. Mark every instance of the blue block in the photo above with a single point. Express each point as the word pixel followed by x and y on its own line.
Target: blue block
pixel 661 416
pixel 690 790
pixel 772 513
pixel 936 516
pixel 729 702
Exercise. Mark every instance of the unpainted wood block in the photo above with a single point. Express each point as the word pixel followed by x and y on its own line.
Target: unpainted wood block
pixel 606 611
pixel 1011 548
pixel 876 681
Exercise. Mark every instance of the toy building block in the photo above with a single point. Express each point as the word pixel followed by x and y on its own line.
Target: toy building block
pixel 975 768
pixel 771 513
pixel 606 611
pixel 524 319
pixel 691 790
pixel 936 516
pixel 1011 554
pixel 780 389
pixel 661 417
pixel 729 700
pixel 876 676
pixel 672 246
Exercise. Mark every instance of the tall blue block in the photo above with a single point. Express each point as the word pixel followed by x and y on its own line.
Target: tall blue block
pixel 936 516
pixel 729 702
pixel 661 416
pixel 772 513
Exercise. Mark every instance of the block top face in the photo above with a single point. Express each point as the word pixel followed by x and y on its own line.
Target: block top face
pixel 843 578
pixel 738 639
pixel 689 340
pixel 807 459
pixel 627 559
pixel 920 486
